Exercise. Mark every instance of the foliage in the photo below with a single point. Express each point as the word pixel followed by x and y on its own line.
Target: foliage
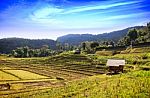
pixel 136 36
pixel 9 44
pixel 94 45
pixel 77 39
pixel 74 74
pixel 133 84
pixel 26 52
pixel 132 34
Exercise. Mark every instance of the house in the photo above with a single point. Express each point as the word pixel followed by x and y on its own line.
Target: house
pixel 115 65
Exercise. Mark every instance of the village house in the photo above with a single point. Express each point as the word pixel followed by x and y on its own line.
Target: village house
pixel 115 65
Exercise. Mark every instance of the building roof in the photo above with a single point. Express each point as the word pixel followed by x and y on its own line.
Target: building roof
pixel 114 62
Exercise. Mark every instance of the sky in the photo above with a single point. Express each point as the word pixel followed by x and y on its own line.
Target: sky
pixel 49 19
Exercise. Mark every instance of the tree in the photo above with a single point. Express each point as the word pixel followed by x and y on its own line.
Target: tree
pixel 105 43
pixel 112 43
pixel 66 46
pixel 94 45
pixel 14 53
pixel 83 45
pixel 19 52
pixel 58 45
pixel 148 26
pixel 133 34
pixel 25 51
pixel 31 53
pixel 127 41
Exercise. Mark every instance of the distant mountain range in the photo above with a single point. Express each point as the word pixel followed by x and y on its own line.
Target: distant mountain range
pixel 8 44
pixel 76 39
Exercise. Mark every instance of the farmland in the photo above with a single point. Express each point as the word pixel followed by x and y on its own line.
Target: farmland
pixel 76 75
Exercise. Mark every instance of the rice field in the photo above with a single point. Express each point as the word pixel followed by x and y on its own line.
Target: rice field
pixel 75 76
pixel 6 76
pixel 24 75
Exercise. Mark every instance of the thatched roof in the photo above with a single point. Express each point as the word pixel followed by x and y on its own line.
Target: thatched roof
pixel 114 62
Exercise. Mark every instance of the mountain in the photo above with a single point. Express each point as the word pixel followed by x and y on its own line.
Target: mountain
pixel 76 39
pixel 8 44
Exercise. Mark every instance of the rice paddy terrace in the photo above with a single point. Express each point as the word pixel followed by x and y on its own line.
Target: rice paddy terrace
pixel 33 74
pixel 75 75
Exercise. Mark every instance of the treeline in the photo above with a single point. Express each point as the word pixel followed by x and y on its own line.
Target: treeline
pixel 136 36
pixel 23 52
pixel 9 44
pixel 34 48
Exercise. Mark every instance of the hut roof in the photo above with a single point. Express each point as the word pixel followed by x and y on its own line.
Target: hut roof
pixel 114 62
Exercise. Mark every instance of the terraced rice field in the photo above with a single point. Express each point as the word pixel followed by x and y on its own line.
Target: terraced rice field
pixel 25 74
pixel 33 74
pixel 6 76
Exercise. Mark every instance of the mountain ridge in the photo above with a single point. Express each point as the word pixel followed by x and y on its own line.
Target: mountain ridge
pixel 76 39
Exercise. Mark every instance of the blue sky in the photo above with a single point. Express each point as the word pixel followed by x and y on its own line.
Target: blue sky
pixel 39 19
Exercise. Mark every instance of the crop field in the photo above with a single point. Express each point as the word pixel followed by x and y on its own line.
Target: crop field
pixel 25 74
pixel 34 74
pixel 75 75
pixel 6 76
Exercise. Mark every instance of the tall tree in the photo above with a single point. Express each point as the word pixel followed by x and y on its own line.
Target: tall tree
pixel 94 45
pixel 83 45
pixel 133 34
pixel 25 51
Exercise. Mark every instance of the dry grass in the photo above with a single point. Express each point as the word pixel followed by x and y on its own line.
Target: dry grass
pixel 6 76
pixel 104 53
pixel 26 75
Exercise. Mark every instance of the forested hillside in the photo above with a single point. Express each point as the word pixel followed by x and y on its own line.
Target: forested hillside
pixel 76 39
pixel 136 36
pixel 9 44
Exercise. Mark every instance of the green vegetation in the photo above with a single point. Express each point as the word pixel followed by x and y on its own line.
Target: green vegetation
pixel 77 75
pixel 26 52
pixel 39 72
pixel 76 39
pixel 136 36
pixel 9 44
pixel 133 84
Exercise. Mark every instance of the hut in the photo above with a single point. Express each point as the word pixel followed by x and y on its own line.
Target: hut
pixel 77 51
pixel 115 65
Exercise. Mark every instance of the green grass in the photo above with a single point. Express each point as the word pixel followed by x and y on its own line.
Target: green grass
pixel 77 70
pixel 130 85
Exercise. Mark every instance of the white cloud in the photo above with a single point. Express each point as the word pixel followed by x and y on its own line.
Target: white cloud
pixel 46 12
pixel 46 16
pixel 100 6
pixel 126 16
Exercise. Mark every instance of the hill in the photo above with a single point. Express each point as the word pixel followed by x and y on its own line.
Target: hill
pixel 8 44
pixel 76 39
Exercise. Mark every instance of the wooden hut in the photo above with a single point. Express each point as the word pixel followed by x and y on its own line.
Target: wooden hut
pixel 115 65
pixel 77 51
